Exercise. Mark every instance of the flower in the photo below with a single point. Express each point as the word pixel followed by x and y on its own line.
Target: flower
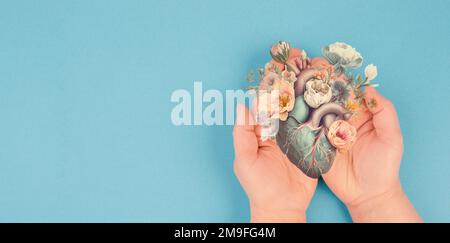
pixel 280 51
pixel 340 91
pixel 286 98
pixel 267 106
pixel 283 55
pixel 317 93
pixel 352 106
pixel 342 56
pixel 371 72
pixel 288 76
pixel 342 135
pixel 267 114
pixel 269 79
pixel 303 55
pixel 372 103
pixel 271 68
pixel 324 68
pixel 269 127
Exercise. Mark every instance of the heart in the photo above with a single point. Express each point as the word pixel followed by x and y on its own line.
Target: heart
pixel 306 147
pixel 316 99
pixel 303 136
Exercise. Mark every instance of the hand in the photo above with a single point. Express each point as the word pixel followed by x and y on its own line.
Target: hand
pixel 366 178
pixel 277 190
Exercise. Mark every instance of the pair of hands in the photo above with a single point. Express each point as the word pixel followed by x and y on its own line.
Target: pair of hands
pixel 366 178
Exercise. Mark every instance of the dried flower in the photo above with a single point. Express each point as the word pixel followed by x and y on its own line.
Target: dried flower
pixel 303 55
pixel 372 103
pixel 340 91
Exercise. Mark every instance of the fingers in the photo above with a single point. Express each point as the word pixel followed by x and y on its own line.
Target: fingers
pixel 385 119
pixel 245 139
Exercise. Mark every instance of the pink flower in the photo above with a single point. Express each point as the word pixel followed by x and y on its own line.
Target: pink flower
pixel 289 76
pixel 342 135
pixel 269 79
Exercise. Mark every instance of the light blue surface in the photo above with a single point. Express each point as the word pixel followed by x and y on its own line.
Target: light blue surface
pixel 85 130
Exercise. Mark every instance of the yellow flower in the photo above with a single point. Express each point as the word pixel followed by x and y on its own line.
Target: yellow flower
pixel 352 106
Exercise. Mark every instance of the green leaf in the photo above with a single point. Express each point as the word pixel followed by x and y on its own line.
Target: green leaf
pixel 359 78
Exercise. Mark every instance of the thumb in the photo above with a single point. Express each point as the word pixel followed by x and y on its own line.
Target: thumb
pixel 245 140
pixel 385 119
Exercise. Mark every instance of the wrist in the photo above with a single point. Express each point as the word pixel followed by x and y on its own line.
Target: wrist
pixel 390 206
pixel 276 215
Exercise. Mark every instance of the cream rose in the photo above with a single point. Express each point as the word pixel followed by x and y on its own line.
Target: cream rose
pixel 317 93
pixel 267 105
pixel 343 56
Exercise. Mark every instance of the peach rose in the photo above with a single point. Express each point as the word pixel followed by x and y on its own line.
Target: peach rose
pixel 342 135
pixel 269 79
pixel 286 98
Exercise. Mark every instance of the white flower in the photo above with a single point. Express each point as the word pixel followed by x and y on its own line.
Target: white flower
pixel 317 93
pixel 304 55
pixel 343 55
pixel 267 115
pixel 371 72
pixel 267 106
pixel 269 128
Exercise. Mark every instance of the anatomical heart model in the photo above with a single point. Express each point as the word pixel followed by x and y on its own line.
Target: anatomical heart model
pixel 304 103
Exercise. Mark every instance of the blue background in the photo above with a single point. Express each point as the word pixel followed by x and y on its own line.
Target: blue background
pixel 85 86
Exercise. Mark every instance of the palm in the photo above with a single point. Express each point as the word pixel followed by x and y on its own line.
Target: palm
pixel 272 179
pixel 371 167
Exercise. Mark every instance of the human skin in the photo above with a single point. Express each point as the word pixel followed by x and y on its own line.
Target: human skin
pixel 277 190
pixel 366 178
